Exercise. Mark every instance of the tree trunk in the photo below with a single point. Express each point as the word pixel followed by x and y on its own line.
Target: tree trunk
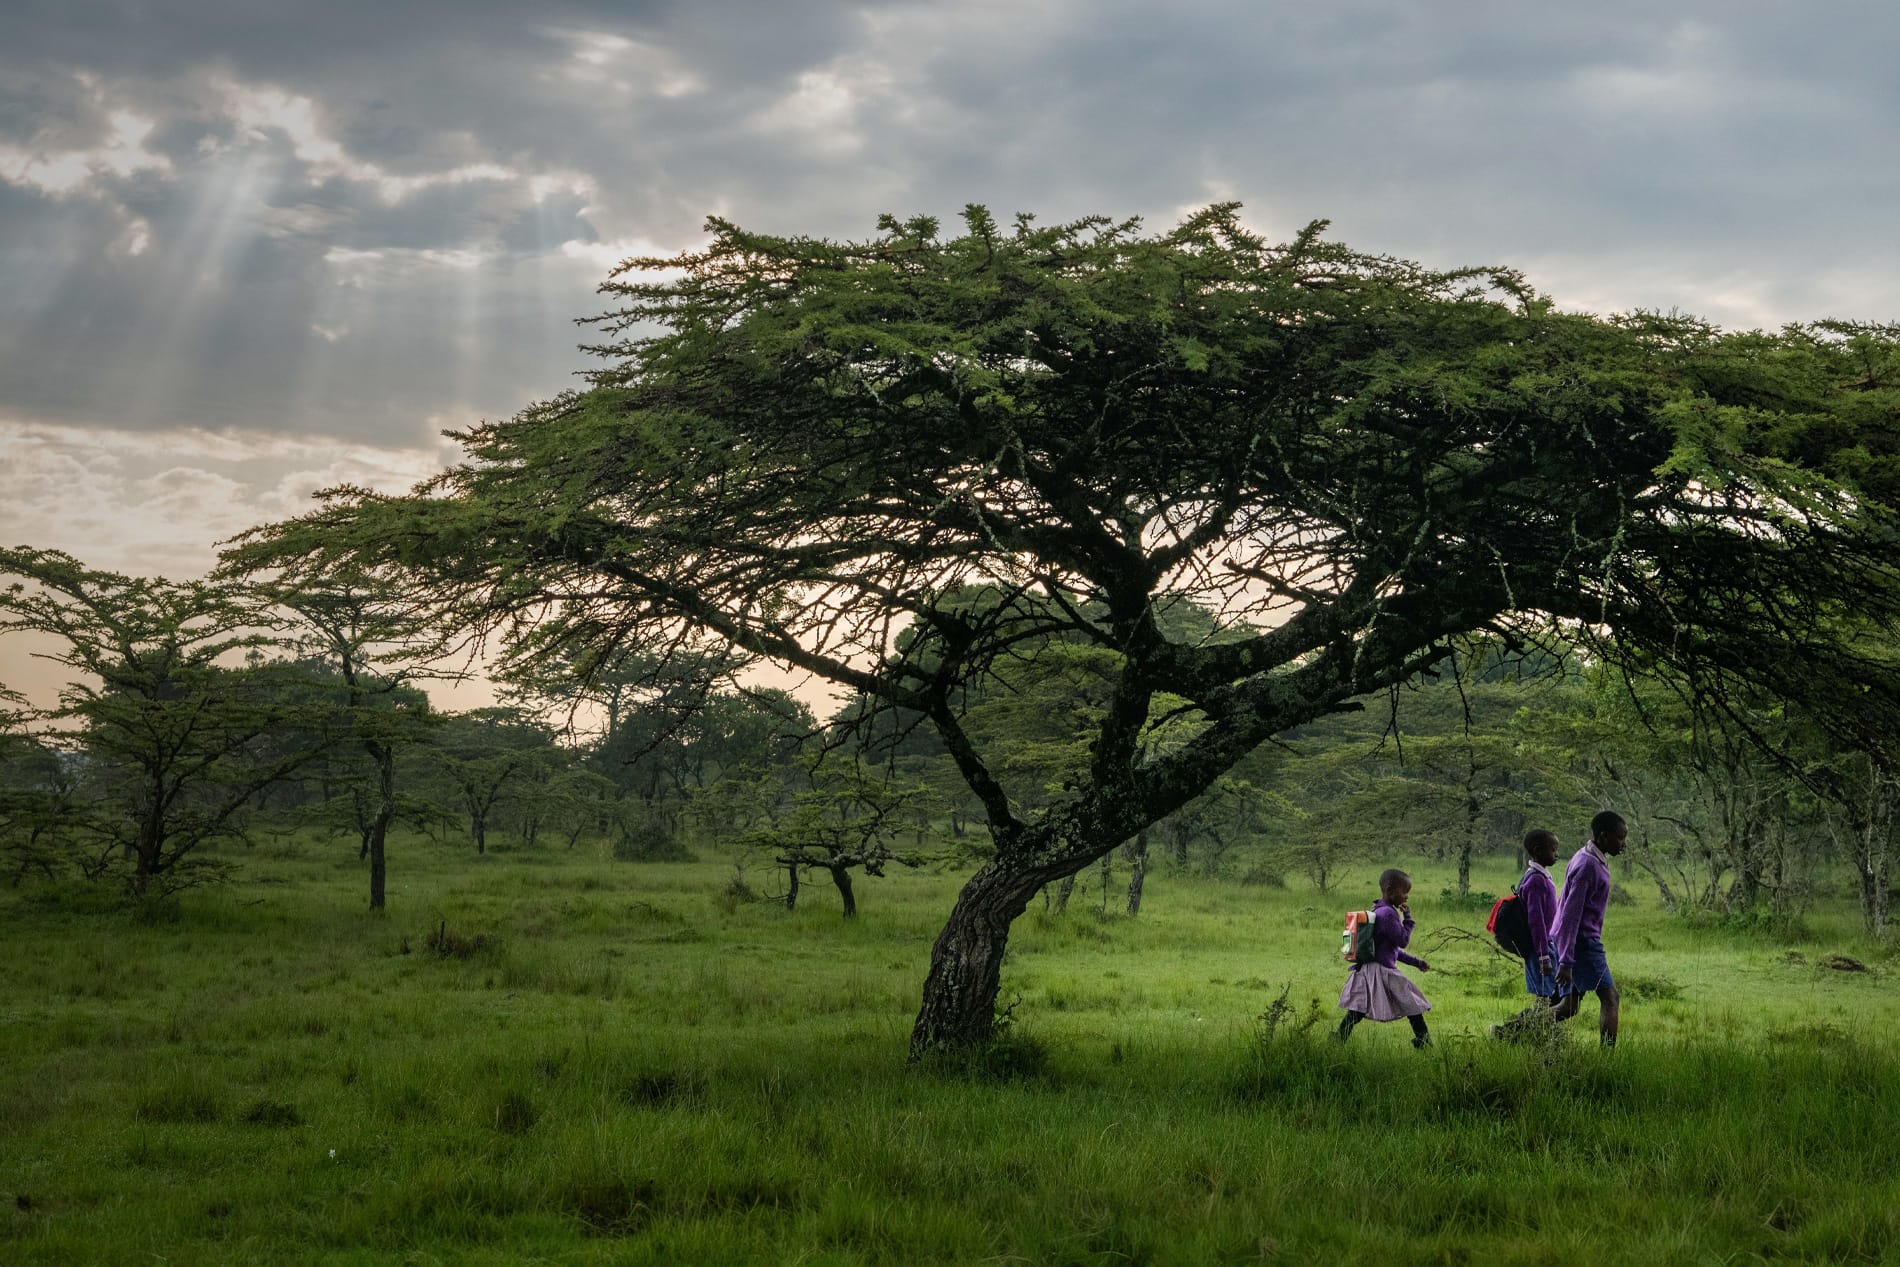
pixel 1473 811
pixel 1883 897
pixel 147 849
pixel 1063 891
pixel 959 1004
pixel 378 834
pixel 791 889
pixel 841 876
pixel 1137 870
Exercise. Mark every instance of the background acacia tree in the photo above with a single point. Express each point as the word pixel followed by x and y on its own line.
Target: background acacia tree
pixel 843 818
pixel 798 448
pixel 377 637
pixel 40 802
pixel 659 728
pixel 491 760
pixel 175 739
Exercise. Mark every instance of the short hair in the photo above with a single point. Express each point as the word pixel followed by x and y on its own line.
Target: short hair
pixel 1391 875
pixel 1539 836
pixel 1606 822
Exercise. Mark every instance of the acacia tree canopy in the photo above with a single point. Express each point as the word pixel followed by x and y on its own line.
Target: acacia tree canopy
pixel 180 738
pixel 796 449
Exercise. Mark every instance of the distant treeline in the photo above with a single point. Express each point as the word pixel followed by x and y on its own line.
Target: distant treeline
pixel 206 714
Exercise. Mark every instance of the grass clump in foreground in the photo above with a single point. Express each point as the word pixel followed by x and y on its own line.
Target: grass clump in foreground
pixel 632 1068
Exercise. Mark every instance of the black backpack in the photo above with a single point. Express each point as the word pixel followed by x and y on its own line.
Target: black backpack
pixel 1511 925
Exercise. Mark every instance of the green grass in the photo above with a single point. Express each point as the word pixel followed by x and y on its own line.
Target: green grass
pixel 615 1063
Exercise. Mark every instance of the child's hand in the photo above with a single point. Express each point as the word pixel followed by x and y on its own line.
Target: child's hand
pixel 1423 966
pixel 1405 909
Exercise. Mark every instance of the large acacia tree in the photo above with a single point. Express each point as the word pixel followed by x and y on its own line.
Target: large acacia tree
pixel 797 448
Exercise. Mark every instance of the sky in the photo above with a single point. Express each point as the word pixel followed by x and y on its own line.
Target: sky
pixel 248 250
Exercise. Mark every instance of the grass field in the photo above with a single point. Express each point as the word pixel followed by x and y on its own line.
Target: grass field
pixel 604 1062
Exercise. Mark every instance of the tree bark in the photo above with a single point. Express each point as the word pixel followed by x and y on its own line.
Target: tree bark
pixel 1473 809
pixel 148 848
pixel 841 876
pixel 1138 870
pixel 379 827
pixel 959 1004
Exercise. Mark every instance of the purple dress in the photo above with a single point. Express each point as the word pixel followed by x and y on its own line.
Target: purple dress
pixel 1379 989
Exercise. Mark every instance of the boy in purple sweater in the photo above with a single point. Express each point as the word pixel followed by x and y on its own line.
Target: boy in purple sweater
pixel 1539 894
pixel 1576 933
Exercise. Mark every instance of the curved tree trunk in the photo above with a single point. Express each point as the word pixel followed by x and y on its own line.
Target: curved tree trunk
pixel 959 1005
pixel 841 876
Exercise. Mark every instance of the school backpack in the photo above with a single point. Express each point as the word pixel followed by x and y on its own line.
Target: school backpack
pixel 1356 945
pixel 1511 925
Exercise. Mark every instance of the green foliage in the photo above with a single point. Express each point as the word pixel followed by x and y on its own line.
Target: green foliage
pixel 172 725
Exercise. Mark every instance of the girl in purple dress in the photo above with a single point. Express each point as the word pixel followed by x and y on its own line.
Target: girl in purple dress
pixel 1378 989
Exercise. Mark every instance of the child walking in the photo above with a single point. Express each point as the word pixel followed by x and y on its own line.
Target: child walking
pixel 1538 892
pixel 1576 930
pixel 1378 989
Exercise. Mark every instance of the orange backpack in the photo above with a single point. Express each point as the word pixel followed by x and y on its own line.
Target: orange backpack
pixel 1356 942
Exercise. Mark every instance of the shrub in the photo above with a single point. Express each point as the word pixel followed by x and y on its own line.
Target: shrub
pixel 450 945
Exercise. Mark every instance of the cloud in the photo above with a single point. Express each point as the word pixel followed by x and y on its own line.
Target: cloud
pixel 158 503
pixel 363 223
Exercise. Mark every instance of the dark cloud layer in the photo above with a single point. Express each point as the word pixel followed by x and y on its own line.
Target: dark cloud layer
pixel 368 221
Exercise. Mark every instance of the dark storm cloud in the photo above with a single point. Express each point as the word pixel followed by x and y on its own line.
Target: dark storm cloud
pixel 370 220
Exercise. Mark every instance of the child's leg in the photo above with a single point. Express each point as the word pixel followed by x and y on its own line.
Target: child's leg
pixel 1421 1036
pixel 1611 1000
pixel 1352 1019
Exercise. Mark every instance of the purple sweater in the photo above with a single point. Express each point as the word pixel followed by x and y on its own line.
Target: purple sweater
pixel 1586 897
pixel 1539 896
pixel 1391 934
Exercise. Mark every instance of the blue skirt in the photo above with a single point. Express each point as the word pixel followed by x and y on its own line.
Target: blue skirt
pixel 1590 970
pixel 1542 984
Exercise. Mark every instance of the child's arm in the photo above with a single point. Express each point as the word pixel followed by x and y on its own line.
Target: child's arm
pixel 1563 931
pixel 1402 937
pixel 1399 927
pixel 1539 896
